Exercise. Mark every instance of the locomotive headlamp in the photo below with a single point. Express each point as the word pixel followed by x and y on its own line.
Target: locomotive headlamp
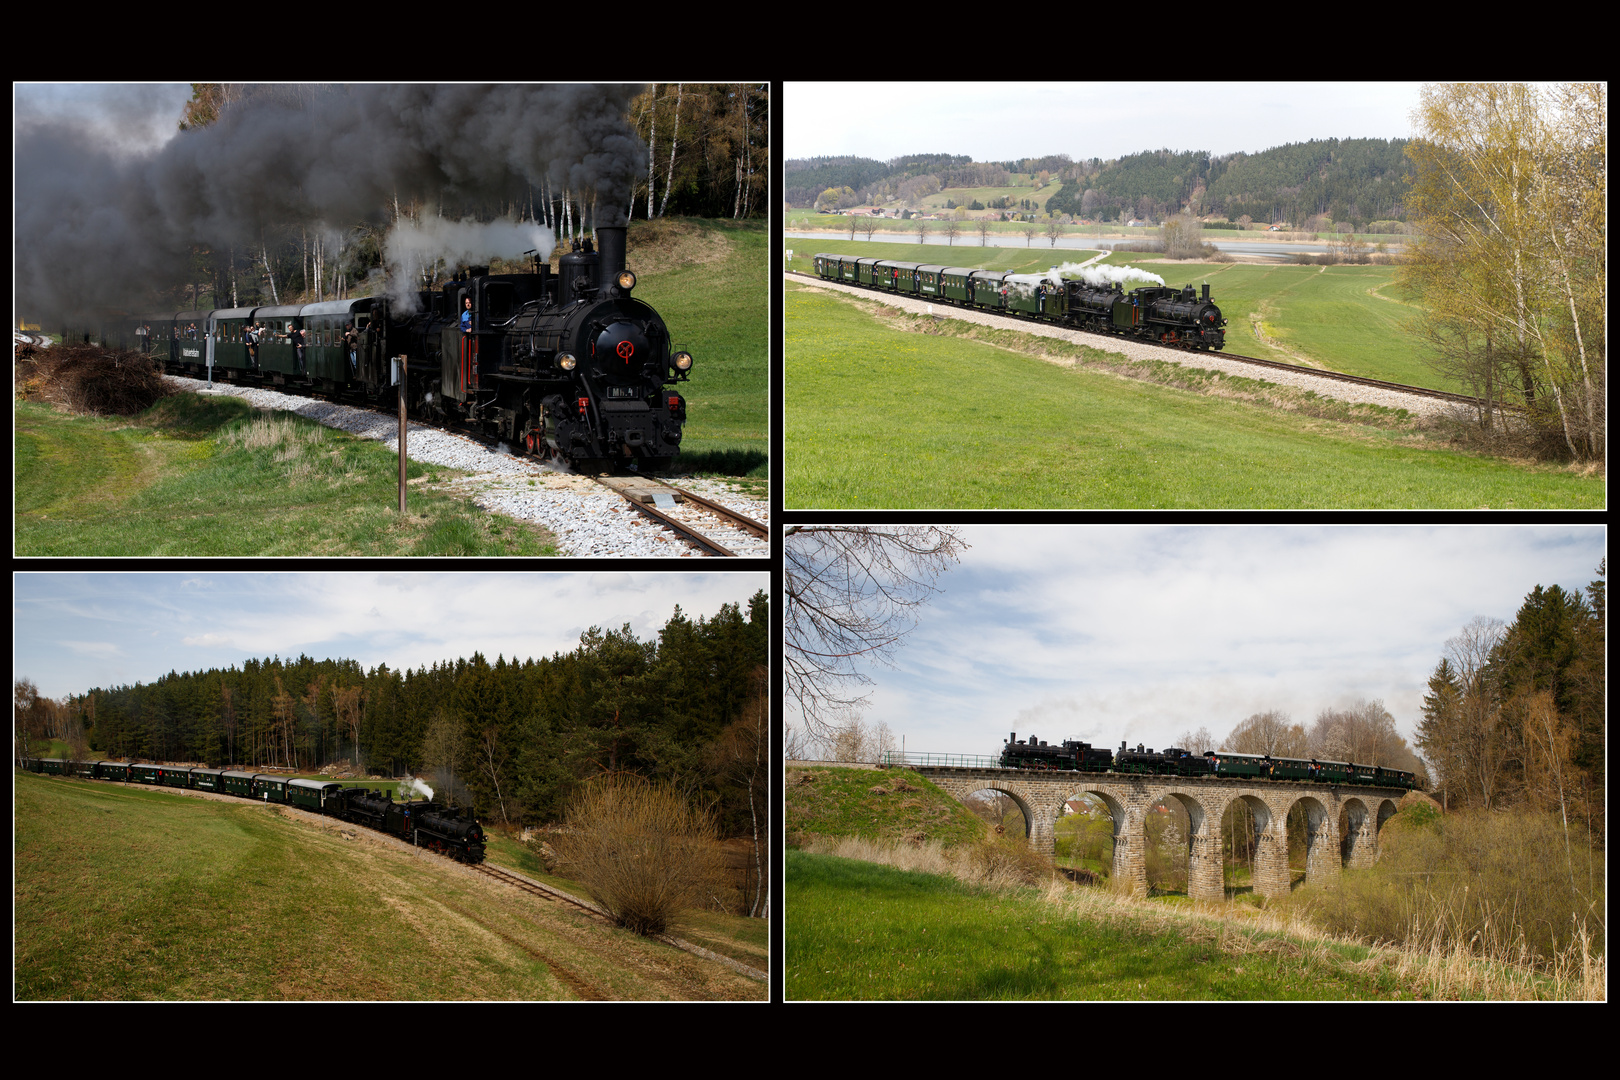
pixel 683 361
pixel 566 361
pixel 627 280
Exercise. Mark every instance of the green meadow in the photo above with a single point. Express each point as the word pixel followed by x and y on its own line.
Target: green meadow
pixel 885 417
pixel 710 281
pixel 197 475
pixel 864 931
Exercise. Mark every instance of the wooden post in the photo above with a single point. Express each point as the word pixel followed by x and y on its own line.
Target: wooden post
pixel 403 383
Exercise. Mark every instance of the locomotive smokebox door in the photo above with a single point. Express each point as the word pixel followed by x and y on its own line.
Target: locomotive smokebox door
pixel 621 346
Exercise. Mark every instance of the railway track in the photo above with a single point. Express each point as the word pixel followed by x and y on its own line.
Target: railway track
pixel 659 500
pixel 546 892
pixel 1300 369
pixel 633 488
pixel 534 888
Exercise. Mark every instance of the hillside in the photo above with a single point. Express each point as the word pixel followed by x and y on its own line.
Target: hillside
pixel 127 893
pixel 1354 180
pixel 876 804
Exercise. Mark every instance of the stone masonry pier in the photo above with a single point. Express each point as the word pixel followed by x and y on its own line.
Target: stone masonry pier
pixel 1041 796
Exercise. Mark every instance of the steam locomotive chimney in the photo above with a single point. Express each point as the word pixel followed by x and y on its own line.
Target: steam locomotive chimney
pixel 1206 292
pixel 611 238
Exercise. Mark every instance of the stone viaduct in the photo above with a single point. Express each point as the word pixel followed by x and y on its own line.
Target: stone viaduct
pixel 1041 795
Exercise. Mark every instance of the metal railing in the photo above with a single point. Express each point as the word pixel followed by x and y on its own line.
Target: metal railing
pixel 958 761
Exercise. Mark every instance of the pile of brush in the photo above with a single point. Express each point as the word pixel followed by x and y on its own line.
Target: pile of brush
pixel 87 378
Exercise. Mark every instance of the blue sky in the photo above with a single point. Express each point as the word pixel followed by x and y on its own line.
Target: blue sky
pixel 76 631
pixel 1002 121
pixel 1140 633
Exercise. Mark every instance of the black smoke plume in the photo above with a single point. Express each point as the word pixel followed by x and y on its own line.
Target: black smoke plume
pixel 96 228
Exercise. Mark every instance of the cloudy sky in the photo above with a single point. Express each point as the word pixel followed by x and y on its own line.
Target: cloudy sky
pixel 998 122
pixel 76 631
pixel 1107 633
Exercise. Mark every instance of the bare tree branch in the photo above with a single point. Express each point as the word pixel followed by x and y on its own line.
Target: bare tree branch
pixel 851 592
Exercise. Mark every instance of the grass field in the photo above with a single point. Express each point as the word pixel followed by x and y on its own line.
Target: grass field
pixel 889 418
pixel 710 281
pixel 862 931
pixel 1032 260
pixel 135 894
pixel 213 476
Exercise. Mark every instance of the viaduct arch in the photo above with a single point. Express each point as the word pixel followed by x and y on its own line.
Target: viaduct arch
pixel 1041 796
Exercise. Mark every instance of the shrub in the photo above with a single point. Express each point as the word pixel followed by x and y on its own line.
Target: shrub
pixel 642 851
pixel 1512 886
pixel 87 378
pixel 1002 861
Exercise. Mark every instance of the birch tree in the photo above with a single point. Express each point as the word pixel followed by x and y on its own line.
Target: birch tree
pixel 492 760
pixel 674 142
pixel 1510 260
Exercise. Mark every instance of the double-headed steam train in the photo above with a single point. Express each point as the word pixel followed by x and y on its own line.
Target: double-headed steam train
pixel 567 365
pixel 1168 316
pixel 1031 753
pixel 451 832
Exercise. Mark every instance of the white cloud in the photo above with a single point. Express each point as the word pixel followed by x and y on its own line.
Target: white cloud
pixel 92 648
pixel 207 640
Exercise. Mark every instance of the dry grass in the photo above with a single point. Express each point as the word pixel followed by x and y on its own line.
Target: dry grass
pixel 666 243
pixel 991 864
pixel 272 431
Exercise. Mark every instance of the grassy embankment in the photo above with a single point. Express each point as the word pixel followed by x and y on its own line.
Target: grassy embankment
pixel 710 281
pixel 137 894
pixel 885 409
pixel 199 475
pixel 934 923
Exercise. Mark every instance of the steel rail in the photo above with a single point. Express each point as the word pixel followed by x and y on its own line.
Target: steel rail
pixel 742 521
pixel 681 528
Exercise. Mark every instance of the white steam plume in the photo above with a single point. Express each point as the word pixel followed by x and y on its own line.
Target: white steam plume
pixel 412 786
pixel 1024 284
pixel 1107 275
pixel 412 247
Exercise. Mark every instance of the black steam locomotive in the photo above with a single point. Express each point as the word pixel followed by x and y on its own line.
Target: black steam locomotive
pixel 570 364
pixel 1176 317
pixel 455 833
pixel 1074 756
pixel 567 365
